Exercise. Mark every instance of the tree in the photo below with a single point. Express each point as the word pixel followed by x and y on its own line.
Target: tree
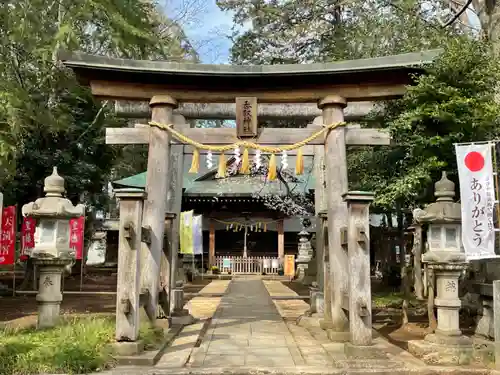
pixel 454 101
pixel 323 30
pixel 46 118
pixel 301 31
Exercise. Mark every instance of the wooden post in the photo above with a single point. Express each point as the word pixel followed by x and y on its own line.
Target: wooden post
pixel 157 183
pixel 174 200
pixel 211 244
pixel 324 270
pixel 166 267
pixel 336 186
pixel 358 243
pixel 129 246
pixel 281 239
pixel 320 206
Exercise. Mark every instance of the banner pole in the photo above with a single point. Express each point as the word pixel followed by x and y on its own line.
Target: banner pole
pixel 497 189
pixel 14 267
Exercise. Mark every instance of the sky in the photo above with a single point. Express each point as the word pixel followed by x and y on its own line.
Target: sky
pixel 206 26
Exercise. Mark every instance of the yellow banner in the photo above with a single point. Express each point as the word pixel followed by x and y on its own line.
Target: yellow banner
pixel 289 266
pixel 186 232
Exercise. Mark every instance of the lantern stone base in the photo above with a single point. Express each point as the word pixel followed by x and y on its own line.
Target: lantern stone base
pixel 443 350
pixel 49 295
pixel 179 315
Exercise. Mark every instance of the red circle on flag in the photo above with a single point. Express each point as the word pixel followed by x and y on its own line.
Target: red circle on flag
pixel 474 161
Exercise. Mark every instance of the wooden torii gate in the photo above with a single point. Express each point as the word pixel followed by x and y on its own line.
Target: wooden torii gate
pixel 331 86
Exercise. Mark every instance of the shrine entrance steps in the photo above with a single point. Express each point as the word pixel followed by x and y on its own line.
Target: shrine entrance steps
pixel 245 332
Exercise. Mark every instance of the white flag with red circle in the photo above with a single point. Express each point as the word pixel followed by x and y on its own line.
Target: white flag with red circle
pixel 477 195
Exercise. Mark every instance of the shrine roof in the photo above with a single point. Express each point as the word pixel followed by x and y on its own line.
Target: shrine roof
pixel 204 184
pixel 80 61
pixel 362 79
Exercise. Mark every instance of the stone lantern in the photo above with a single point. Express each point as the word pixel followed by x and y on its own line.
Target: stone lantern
pixel 446 259
pixel 305 253
pixel 52 253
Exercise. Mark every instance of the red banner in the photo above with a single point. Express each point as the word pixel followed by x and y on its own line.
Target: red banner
pixel 76 227
pixel 8 239
pixel 27 236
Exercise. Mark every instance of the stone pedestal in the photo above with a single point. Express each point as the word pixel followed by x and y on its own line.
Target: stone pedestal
pixel 314 315
pixel 446 260
pixel 316 300
pixel 358 243
pixel 187 265
pixel 447 346
pixel 179 315
pixel 49 295
pixel 125 348
pixel 304 257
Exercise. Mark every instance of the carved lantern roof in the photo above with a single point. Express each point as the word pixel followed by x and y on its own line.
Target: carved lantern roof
pixel 445 209
pixel 53 204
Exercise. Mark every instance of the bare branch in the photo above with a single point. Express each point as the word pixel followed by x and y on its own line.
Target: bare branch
pixel 458 14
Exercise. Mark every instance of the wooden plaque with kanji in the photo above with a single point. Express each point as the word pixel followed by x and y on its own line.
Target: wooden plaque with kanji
pixel 246 117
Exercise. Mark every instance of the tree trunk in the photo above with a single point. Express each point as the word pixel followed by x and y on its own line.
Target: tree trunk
pixel 29 274
pixel 417 263
pixel 430 301
pixel 405 284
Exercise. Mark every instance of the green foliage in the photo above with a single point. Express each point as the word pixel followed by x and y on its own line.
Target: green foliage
pixel 46 118
pixel 453 102
pixel 77 346
pixel 391 300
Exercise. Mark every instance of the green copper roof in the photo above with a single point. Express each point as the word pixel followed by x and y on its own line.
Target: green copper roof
pixel 239 185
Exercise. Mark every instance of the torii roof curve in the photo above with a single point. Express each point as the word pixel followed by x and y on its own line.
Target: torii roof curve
pixel 363 79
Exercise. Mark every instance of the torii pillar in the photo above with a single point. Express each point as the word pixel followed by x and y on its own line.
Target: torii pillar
pixel 336 186
pixel 157 185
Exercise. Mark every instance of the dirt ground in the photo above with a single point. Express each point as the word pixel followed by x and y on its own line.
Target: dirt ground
pixel 24 306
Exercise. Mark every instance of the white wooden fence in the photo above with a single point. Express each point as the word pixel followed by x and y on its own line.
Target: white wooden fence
pixel 248 265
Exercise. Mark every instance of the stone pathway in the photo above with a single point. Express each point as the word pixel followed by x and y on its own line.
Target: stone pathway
pixel 249 335
pixel 204 305
pixel 290 309
pixel 247 330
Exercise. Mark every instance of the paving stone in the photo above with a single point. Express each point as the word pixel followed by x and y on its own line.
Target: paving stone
pixel 219 360
pixel 298 359
pixel 228 345
pixel 318 360
pixel 197 358
pixel 267 342
pixel 258 360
